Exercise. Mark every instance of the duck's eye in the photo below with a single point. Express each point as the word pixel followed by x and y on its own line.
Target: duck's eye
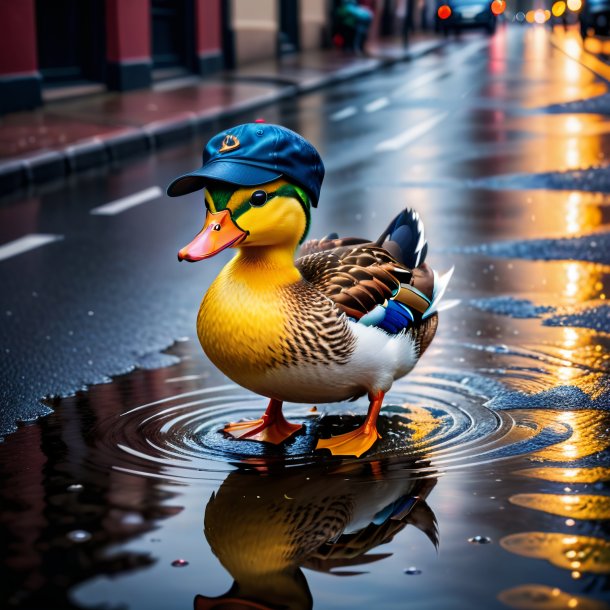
pixel 258 198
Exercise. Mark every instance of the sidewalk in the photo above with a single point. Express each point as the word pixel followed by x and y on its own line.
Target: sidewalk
pixel 72 135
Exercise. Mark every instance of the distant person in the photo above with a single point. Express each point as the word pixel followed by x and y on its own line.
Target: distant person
pixel 354 22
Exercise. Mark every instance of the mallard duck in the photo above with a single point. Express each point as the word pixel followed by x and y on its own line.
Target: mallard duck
pixel 345 319
pixel 264 525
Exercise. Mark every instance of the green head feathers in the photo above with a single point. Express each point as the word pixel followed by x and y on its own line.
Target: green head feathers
pixel 222 194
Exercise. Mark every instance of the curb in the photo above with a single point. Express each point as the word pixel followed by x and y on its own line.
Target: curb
pixel 42 167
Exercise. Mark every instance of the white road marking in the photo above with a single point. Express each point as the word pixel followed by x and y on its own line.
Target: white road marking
pixel 120 205
pixel 411 134
pixel 377 104
pixel 25 243
pixel 343 114
pixel 456 59
pixel 420 81
pixel 183 378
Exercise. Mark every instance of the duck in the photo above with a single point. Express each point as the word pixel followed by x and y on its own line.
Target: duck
pixel 317 321
pixel 266 522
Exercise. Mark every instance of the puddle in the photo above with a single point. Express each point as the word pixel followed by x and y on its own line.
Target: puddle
pixel 124 499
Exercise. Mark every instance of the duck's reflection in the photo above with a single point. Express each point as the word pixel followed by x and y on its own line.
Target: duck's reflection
pixel 264 525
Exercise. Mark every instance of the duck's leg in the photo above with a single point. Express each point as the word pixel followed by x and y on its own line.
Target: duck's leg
pixel 361 439
pixel 272 427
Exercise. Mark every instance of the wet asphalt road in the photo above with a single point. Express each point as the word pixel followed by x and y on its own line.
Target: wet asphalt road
pixel 500 435
pixel 106 294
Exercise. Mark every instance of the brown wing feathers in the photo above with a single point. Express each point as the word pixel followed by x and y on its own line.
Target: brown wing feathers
pixel 357 278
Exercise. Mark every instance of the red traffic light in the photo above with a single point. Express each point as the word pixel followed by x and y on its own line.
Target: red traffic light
pixel 444 11
pixel 498 7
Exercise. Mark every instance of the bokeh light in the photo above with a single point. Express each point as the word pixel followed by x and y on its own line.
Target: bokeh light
pixel 444 12
pixel 520 17
pixel 574 5
pixel 529 16
pixel 498 7
pixel 539 16
pixel 559 8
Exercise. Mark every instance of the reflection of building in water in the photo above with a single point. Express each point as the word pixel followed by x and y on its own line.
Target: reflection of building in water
pixel 265 526
pixel 58 477
pixel 581 555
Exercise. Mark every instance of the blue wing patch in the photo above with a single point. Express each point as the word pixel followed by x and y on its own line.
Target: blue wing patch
pixel 393 318
pixel 397 318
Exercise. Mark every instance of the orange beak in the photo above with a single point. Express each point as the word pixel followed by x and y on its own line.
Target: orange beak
pixel 219 232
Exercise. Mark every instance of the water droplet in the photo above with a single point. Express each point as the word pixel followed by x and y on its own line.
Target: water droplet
pixel 79 536
pixel 479 540
pixel 413 571
pixel 180 563
pixel 74 487
pixel 132 519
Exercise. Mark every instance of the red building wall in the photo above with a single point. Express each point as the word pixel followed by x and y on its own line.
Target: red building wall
pixel 128 44
pixel 17 37
pixel 127 30
pixel 20 82
pixel 208 42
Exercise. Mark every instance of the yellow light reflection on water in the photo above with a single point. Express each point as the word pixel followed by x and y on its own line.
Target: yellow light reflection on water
pixel 581 281
pixel 567 372
pixel 567 475
pixel 421 422
pixel 572 276
pixel 588 432
pixel 593 553
pixel 541 597
pixel 581 218
pixel 574 506
pixel 572 47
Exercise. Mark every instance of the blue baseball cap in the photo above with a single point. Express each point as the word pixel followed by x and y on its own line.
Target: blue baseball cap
pixel 252 154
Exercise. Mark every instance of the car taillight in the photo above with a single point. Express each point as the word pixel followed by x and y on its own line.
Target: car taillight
pixel 498 7
pixel 444 11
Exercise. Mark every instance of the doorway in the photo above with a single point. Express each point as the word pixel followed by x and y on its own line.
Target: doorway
pixel 71 43
pixel 172 37
pixel 288 36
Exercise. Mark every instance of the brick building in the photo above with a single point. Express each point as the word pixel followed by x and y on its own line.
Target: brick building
pixel 57 48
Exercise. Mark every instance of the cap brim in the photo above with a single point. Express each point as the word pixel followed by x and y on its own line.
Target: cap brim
pixel 225 171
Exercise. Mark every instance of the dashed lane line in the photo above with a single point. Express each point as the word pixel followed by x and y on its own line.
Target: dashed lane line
pixel 420 81
pixel 121 205
pixel 411 134
pixel 377 104
pixel 26 243
pixel 343 114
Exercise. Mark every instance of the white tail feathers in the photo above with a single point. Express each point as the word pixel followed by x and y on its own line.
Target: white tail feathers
pixel 440 285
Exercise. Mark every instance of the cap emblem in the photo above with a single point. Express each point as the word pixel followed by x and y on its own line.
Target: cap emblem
pixel 229 143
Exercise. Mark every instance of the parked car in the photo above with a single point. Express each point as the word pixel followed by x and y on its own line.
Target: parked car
pixel 460 14
pixel 595 16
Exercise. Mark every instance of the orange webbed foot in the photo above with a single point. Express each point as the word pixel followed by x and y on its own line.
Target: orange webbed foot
pixel 356 442
pixel 272 427
pixel 361 439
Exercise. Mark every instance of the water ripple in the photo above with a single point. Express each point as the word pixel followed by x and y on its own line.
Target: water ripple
pixel 441 421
